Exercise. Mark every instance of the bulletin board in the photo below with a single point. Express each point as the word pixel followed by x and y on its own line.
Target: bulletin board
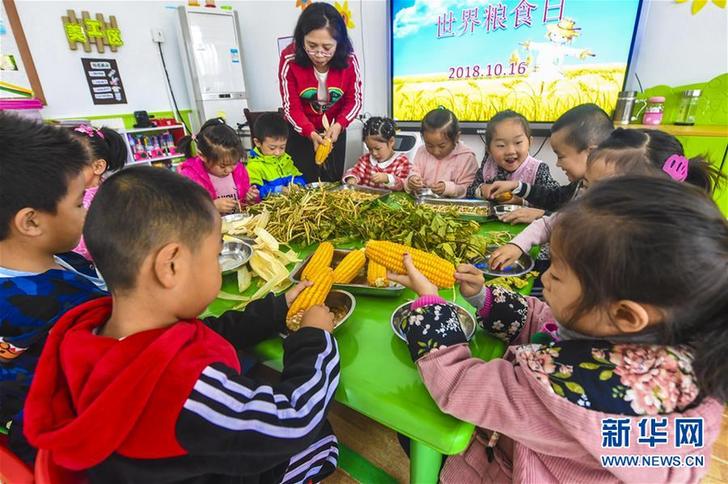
pixel 18 77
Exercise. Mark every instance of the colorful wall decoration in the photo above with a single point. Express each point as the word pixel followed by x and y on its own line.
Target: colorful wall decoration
pixel 698 5
pixel 88 31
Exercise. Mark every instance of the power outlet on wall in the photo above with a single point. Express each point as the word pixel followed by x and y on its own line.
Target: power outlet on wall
pixel 158 36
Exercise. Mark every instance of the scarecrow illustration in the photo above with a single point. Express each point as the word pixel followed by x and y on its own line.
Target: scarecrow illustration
pixel 550 55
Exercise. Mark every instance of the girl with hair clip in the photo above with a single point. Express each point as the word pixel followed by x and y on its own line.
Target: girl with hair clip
pixel 382 167
pixel 217 166
pixel 650 151
pixel 108 154
pixel 624 152
pixel 639 356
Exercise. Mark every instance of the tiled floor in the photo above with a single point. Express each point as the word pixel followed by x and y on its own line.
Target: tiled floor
pixel 379 445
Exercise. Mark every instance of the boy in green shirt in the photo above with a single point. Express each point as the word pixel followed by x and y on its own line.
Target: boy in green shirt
pixel 269 166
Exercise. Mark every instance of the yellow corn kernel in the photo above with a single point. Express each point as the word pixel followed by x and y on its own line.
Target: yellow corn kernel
pixel 504 197
pixel 439 271
pixel 377 275
pixel 321 258
pixel 323 151
pixel 315 294
pixel 349 267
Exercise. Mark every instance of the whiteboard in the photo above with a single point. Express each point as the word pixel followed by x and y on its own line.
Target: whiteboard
pixel 216 52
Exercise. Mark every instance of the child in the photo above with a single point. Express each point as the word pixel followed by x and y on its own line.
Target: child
pixel 217 166
pixel 108 154
pixel 41 214
pixel 507 140
pixel 444 165
pixel 573 136
pixel 641 348
pixel 381 167
pixel 135 388
pixel 626 151
pixel 270 168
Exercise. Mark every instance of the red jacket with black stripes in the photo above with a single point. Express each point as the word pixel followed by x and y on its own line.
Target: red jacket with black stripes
pixel 299 87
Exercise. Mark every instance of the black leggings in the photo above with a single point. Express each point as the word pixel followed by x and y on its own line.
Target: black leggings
pixel 301 150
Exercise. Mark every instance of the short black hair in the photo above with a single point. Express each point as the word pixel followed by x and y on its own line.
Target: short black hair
pixel 501 116
pixel 270 125
pixel 37 162
pixel 441 118
pixel 588 125
pixel 215 141
pixel 109 146
pixel 155 206
pixel 642 151
pixel 657 242
pixel 319 15
pixel 380 127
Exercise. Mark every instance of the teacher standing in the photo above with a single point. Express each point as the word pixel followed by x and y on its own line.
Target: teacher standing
pixel 319 75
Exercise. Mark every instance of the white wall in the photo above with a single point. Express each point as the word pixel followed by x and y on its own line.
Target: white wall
pixel 60 70
pixel 679 48
pixel 64 84
pixel 676 48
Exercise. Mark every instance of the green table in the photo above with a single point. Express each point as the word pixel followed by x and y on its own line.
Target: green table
pixel 379 380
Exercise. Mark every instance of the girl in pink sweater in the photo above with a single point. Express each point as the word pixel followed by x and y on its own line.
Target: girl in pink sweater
pixel 444 165
pixel 639 366
pixel 217 167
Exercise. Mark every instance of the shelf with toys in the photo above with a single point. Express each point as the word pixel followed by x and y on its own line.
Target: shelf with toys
pixel 154 144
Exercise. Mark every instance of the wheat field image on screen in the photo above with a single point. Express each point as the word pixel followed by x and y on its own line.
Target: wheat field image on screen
pixel 478 99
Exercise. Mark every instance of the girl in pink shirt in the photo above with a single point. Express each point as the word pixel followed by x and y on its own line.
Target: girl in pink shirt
pixel 639 355
pixel 108 154
pixel 444 165
pixel 217 167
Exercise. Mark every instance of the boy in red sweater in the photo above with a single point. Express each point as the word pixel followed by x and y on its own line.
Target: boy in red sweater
pixel 135 388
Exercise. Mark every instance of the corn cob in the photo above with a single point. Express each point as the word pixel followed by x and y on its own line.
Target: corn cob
pixel 439 271
pixel 349 267
pixel 377 275
pixel 311 296
pixel 321 258
pixel 504 197
pixel 323 151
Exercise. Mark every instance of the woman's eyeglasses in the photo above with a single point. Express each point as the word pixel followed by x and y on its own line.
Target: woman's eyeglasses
pixel 320 53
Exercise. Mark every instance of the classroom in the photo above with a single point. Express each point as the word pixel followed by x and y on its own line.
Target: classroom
pixel 363 241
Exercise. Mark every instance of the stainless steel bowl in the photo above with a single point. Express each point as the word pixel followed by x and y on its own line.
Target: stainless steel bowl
pixel 324 185
pixel 467 320
pixel 234 217
pixel 427 193
pixel 342 303
pixel 233 256
pixel 521 266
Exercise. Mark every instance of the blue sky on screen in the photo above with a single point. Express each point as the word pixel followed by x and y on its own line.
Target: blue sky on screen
pixel 606 29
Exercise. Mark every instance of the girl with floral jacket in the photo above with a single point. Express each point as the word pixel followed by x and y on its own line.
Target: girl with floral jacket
pixel 639 366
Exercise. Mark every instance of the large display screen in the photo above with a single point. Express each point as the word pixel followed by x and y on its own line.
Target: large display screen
pixel 538 57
